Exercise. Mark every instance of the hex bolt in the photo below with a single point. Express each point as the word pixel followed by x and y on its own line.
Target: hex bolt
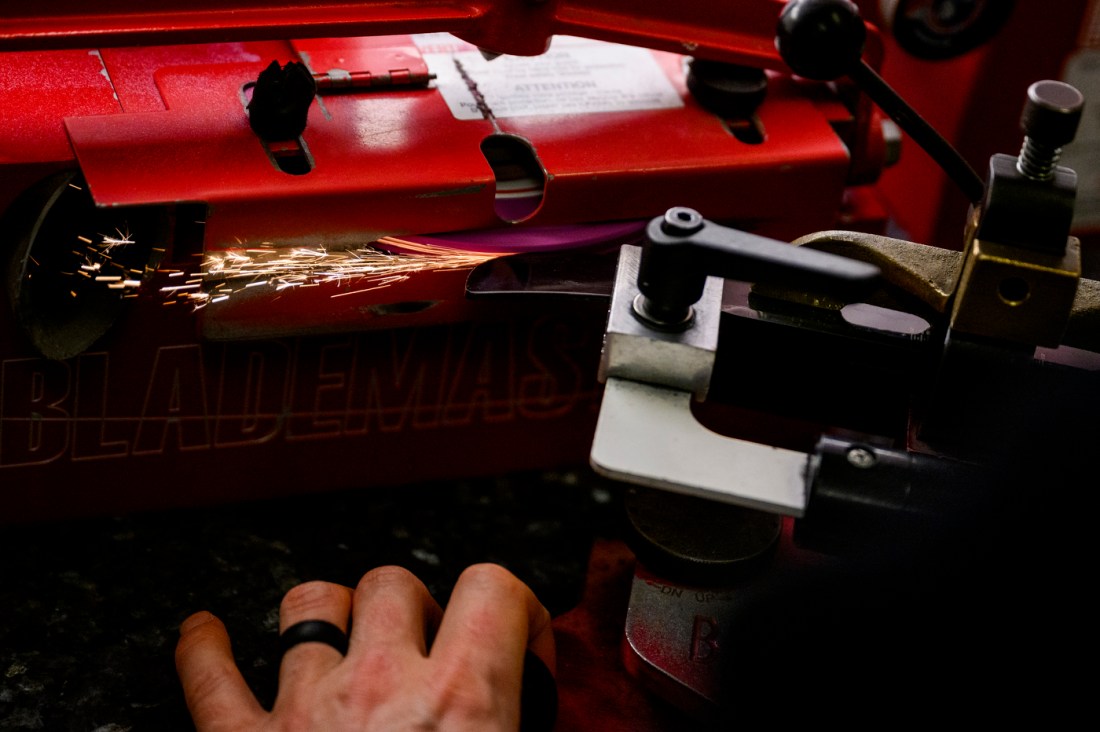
pixel 1049 121
pixel 861 457
pixel 682 221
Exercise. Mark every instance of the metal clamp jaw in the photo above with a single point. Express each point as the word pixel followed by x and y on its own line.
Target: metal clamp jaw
pixel 659 350
pixel 1014 296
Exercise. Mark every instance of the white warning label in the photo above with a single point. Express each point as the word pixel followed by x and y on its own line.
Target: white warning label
pixel 575 76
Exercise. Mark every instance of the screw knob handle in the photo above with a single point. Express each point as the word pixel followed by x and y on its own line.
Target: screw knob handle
pixel 821 39
pixel 1052 113
pixel 280 101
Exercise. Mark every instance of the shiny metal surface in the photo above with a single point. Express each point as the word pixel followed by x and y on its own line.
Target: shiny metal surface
pixel 634 351
pixel 647 435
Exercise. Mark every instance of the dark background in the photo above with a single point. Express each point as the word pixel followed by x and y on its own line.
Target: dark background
pixel 90 608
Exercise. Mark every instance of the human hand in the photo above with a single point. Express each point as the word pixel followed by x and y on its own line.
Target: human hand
pixel 409 665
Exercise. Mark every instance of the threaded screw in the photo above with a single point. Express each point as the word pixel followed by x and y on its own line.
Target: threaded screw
pixel 1049 121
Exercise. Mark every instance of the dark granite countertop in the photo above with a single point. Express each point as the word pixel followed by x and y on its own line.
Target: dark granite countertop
pixel 91 607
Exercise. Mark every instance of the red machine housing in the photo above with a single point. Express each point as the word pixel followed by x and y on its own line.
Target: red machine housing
pixel 973 99
pixel 165 128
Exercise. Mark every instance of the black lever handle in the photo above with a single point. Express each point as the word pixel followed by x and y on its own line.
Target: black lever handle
pixel 823 40
pixel 682 249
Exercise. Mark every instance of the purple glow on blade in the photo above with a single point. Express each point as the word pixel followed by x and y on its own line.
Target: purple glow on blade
pixel 534 239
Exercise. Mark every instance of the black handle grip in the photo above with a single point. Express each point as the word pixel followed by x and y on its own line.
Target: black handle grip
pixel 682 249
pixel 824 39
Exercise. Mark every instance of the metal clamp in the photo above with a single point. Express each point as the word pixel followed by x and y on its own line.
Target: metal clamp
pixel 648 436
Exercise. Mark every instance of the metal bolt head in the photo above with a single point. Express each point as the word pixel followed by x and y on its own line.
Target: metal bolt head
pixel 682 221
pixel 861 457
pixel 1052 113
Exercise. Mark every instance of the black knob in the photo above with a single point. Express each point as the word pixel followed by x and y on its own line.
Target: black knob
pixel 280 101
pixel 728 90
pixel 1052 112
pixel 821 39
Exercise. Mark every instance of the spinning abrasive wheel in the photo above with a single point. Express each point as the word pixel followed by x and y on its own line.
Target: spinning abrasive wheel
pixel 72 268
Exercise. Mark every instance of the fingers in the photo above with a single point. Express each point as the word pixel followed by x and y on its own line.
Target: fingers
pixel 492 618
pixel 306 662
pixel 217 695
pixel 393 610
pixel 474 672
pixel 392 614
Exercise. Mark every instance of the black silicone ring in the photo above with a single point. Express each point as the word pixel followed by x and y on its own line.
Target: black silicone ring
pixel 538 696
pixel 313 631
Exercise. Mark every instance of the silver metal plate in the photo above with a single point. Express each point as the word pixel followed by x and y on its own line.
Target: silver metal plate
pixel 647 435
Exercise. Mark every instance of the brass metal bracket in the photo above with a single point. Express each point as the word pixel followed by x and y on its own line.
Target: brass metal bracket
pixel 990 290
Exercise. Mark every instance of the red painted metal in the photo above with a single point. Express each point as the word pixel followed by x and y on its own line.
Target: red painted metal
pixel 398 163
pixel 166 125
pixel 38 91
pixel 739 32
pixel 594 689
pixel 377 169
pixel 153 416
pixel 975 101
